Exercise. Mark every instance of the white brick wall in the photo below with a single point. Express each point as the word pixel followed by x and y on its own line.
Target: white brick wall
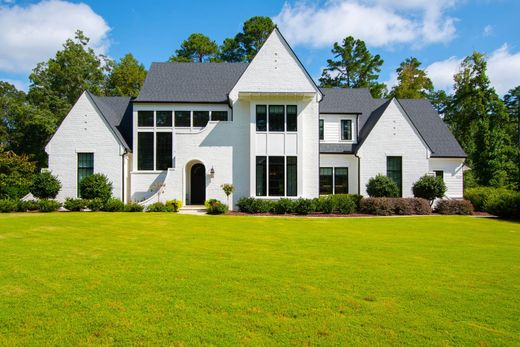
pixel 393 135
pixel 84 130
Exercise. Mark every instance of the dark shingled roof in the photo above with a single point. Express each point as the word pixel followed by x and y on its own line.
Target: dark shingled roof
pixel 431 127
pixel 190 82
pixel 117 111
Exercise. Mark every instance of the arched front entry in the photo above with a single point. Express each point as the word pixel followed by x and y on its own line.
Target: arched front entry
pixel 198 184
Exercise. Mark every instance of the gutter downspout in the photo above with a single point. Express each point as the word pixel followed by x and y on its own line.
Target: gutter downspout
pixel 358 173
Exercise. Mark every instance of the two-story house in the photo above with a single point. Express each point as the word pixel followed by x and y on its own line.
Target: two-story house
pixel 264 127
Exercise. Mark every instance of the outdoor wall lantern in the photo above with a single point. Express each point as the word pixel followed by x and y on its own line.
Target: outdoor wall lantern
pixel 212 172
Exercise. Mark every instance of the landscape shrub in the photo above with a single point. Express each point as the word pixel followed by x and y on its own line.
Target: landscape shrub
pixel 96 186
pixel 411 206
pixel 382 186
pixel 245 204
pixel 429 187
pixel 377 206
pixel 159 207
pixel 8 205
pixel 113 205
pixel 283 206
pixel 213 206
pixel 94 204
pixel 479 196
pixel 16 174
pixel 463 207
pixel 74 204
pixel 45 186
pixel 506 204
pixel 263 206
pixel 343 204
pixel 303 206
pixel 133 207
pixel 324 204
pixel 175 204
pixel 48 205
pixel 27 205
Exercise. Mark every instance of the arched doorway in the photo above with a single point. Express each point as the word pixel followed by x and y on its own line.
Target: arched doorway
pixel 198 184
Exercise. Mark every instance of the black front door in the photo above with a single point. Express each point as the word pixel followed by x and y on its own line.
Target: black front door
pixel 198 184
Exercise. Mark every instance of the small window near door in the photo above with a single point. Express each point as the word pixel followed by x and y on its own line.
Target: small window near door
pixel 182 119
pixel 346 129
pixel 85 166
pixel 439 174
pixel 200 119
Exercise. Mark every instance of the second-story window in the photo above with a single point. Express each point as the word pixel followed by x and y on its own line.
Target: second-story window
pixel 145 118
pixel 200 118
pixel 261 118
pixel 276 118
pixel 182 119
pixel 292 118
pixel 163 118
pixel 321 130
pixel 346 129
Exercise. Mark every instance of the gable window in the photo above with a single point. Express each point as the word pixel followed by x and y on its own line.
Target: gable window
pixel 219 116
pixel 261 118
pixel 321 129
pixel 261 176
pixel 145 118
pixel 276 118
pixel 163 149
pixel 163 119
pixel 326 181
pixel 145 151
pixel 182 119
pixel 346 129
pixel 394 171
pixel 341 180
pixel 200 118
pixel 292 118
pixel 85 166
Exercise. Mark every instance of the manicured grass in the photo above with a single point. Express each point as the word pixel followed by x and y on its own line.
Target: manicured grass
pixel 166 279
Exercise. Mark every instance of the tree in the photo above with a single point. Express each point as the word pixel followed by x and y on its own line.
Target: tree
pixel 246 44
pixel 512 101
pixel 440 101
pixel 16 174
pixel 429 188
pixel 45 186
pixel 382 186
pixel 479 120
pixel 197 48
pixel 58 83
pixel 126 77
pixel 413 82
pixel 353 66
pixel 96 186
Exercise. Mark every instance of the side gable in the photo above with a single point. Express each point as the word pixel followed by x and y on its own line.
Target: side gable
pixel 275 69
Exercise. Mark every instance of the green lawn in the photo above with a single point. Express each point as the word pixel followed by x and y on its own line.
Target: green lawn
pixel 166 279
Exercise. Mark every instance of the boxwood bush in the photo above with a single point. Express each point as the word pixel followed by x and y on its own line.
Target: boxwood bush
pixel 133 207
pixel 214 206
pixel 48 205
pixel 8 205
pixel 45 186
pixel 74 204
pixel 395 206
pixel 175 204
pixel 95 204
pixel 303 206
pixel 382 186
pixel 283 206
pixel 159 207
pixel 96 186
pixel 113 205
pixel 429 188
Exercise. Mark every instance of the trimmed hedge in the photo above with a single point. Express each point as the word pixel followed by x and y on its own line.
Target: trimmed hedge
pixel 47 205
pixel 395 206
pixel 8 205
pixel 252 205
pixel 303 206
pixel 113 205
pixel 214 206
pixel 481 195
pixel 505 205
pixel 133 207
pixel 283 206
pixel 95 204
pixel 175 204
pixel 75 204
pixel 462 207
pixel 159 207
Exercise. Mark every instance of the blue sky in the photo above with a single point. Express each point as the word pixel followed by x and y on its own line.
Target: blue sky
pixel 438 32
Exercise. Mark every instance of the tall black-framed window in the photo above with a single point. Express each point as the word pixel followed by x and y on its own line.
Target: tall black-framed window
pixel 292 176
pixel 145 118
pixel 163 150
pixel 276 176
pixel 276 118
pixel 394 170
pixel 163 118
pixel 341 180
pixel 85 166
pixel 219 116
pixel 292 118
pixel 346 129
pixel 261 118
pixel 200 119
pixel 261 176
pixel 322 135
pixel 326 181
pixel 145 151
pixel 182 119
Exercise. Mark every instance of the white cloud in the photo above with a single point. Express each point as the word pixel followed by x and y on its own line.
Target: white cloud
pixel 377 22
pixel 503 70
pixel 33 33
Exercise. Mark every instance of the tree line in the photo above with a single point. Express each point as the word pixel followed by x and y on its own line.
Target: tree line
pixel 487 126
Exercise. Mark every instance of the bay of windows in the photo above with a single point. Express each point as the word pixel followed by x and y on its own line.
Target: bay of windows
pixel 333 180
pixel 276 118
pixel 276 176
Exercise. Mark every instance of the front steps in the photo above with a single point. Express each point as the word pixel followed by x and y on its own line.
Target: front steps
pixel 193 209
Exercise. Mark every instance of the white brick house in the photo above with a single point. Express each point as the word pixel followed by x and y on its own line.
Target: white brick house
pixel 265 127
